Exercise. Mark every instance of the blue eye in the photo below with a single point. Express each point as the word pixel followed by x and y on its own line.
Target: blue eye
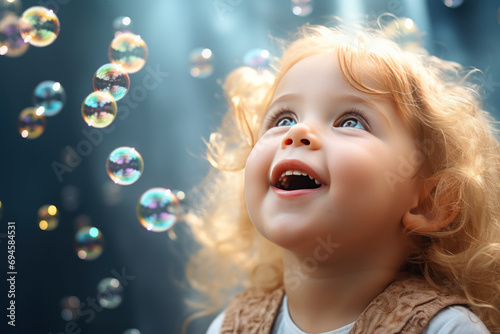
pixel 285 121
pixel 352 123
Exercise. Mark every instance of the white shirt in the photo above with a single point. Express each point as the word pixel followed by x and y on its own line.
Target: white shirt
pixel 450 320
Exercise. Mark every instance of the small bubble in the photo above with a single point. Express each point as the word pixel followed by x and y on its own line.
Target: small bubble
pixel 70 308
pixel 48 217
pixel 122 24
pixel 113 79
pixel 39 26
pixel 129 51
pixel 29 124
pixel 89 243
pixel 158 209
pixel 201 63
pixel 11 42
pixel 453 3
pixel 302 7
pixel 49 96
pixel 99 109
pixel 109 293
pixel 124 165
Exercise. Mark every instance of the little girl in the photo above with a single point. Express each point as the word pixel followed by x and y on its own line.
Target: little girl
pixel 355 191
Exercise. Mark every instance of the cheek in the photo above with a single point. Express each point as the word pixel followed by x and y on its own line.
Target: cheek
pixel 257 169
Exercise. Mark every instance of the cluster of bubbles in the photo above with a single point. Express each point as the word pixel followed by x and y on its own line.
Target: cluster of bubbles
pixel 48 99
pixel 37 26
pixel 111 82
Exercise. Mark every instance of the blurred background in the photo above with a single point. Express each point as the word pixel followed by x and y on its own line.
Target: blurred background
pixel 84 261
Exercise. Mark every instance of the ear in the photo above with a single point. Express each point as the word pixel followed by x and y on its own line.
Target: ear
pixel 425 216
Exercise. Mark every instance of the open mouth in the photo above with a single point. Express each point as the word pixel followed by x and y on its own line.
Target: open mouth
pixel 295 180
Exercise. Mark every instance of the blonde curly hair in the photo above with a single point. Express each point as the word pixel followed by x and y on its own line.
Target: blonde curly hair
pixel 436 100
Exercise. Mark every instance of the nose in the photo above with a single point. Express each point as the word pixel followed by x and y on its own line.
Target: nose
pixel 302 134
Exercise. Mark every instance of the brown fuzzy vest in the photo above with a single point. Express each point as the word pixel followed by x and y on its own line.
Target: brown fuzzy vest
pixel 405 306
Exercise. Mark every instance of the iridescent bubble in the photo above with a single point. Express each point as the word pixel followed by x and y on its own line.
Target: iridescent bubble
pixel 109 292
pixel 39 26
pixel 453 3
pixel 113 79
pixel 158 209
pixel 122 24
pixel 11 42
pixel 50 96
pixel 30 124
pixel 124 165
pixel 257 59
pixel 201 63
pixel 48 217
pixel 89 243
pixel 404 32
pixel 70 308
pixel 10 6
pixel 129 51
pixel 302 7
pixel 99 109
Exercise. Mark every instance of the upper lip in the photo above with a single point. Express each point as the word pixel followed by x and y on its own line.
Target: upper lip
pixel 292 165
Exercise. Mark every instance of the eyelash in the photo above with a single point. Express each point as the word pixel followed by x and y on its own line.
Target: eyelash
pixel 351 113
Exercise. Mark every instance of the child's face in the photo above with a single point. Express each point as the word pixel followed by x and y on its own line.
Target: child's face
pixel 352 145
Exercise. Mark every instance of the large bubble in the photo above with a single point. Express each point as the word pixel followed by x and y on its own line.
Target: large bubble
pixel 50 96
pixel 124 165
pixel 113 79
pixel 39 26
pixel 99 109
pixel 109 292
pixel 158 209
pixel 201 63
pixel 129 51
pixel 89 243
pixel 30 123
pixel 48 217
pixel 11 42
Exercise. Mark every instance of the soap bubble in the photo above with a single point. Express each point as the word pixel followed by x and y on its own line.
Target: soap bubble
pixel 10 6
pixel 257 59
pixel 89 243
pixel 302 7
pixel 50 96
pixel 404 32
pixel 158 209
pixel 99 109
pixel 70 308
pixel 122 24
pixel 124 165
pixel 201 63
pixel 453 3
pixel 113 79
pixel 109 292
pixel 48 217
pixel 129 51
pixel 39 26
pixel 30 124
pixel 11 42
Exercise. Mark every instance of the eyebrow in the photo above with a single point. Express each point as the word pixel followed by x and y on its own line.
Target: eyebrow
pixel 347 97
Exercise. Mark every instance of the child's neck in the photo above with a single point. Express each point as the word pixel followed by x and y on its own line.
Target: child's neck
pixel 332 295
